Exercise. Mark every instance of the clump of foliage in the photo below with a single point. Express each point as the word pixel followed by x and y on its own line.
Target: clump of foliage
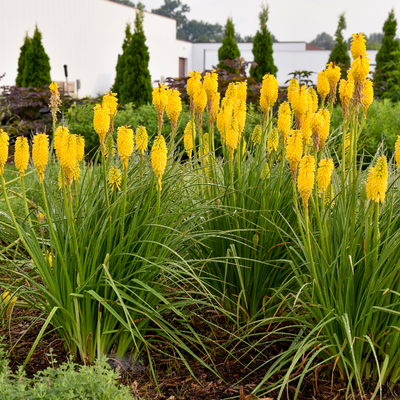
pixel 387 60
pixel 67 381
pixel 262 49
pixel 136 85
pixel 26 110
pixel 229 49
pixel 36 63
pixel 324 41
pixel 339 54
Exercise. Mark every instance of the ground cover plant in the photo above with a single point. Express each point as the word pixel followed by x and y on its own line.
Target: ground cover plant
pixel 268 242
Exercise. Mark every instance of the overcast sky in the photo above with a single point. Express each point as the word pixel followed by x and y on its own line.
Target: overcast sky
pixel 293 20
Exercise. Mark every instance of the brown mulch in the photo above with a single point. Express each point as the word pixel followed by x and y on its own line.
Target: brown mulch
pixel 174 380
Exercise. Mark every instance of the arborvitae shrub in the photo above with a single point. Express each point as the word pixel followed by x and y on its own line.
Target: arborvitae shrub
pixel 22 60
pixel 229 49
pixel 262 49
pixel 136 86
pixel 339 53
pixel 120 68
pixel 385 55
pixel 37 65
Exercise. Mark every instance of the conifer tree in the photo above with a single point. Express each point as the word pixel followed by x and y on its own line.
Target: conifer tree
pixel 229 49
pixel 136 86
pixel 120 68
pixel 37 65
pixel 385 54
pixel 22 60
pixel 262 49
pixel 339 53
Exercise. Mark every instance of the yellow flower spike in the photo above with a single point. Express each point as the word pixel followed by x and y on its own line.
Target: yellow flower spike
pixel 358 47
pixel 110 100
pixel 239 112
pixel 242 91
pixel 142 139
pixel 10 299
pixel 269 89
pixel 323 86
pixel 160 100
pixel 67 152
pixel 368 96
pixel 306 128
pixel 284 120
pixel 125 143
pixel 193 82
pixel 115 178
pixel 333 75
pixel 306 178
pixel 101 121
pixel 4 142
pixel 256 136
pixel 313 107
pixel 293 85
pixel 221 125
pixel 264 105
pixel 324 132
pixel 300 104
pixel 188 138
pixel 210 84
pixel 273 140
pixel 360 68
pixel 232 135
pixel 231 92
pixel 80 148
pixel 397 151
pixel 215 107
pixel 159 158
pixel 40 153
pixel 317 122
pixel 324 174
pixel 200 98
pixel 53 88
pixel 174 107
pixel 294 151
pixel 377 181
pixel 21 155
pixel 346 90
pixel 265 171
pixel 58 136
pixel 76 173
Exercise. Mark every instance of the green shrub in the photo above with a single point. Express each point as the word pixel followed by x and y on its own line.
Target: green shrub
pixel 22 60
pixel 339 53
pixel 229 49
pixel 37 64
pixel 68 381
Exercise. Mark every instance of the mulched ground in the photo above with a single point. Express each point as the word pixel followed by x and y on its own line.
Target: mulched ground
pixel 174 380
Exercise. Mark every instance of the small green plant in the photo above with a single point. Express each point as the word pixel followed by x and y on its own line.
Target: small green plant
pixel 68 381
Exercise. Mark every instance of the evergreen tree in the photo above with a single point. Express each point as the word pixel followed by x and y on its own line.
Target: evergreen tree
pixel 229 49
pixel 386 62
pixel 120 68
pixel 136 86
pixel 262 49
pixel 37 65
pixel 339 53
pixel 21 60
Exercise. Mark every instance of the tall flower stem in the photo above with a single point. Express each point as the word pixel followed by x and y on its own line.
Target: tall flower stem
pixel 25 202
pixel 105 178
pixel 124 204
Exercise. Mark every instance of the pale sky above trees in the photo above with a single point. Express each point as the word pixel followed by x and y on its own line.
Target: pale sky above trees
pixel 293 20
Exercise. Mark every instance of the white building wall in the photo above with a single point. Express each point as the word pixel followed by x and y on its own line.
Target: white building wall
pixel 87 35
pixel 288 57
